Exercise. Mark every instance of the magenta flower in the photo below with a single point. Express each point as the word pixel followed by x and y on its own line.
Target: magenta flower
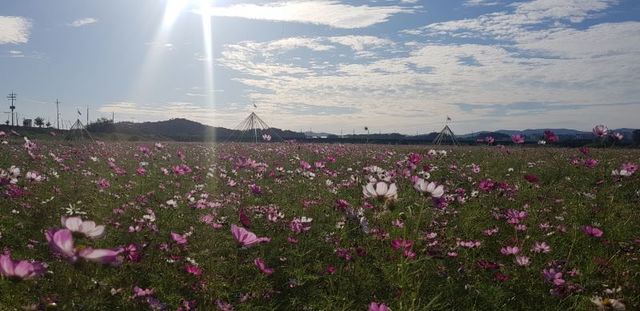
pixel 590 163
pixel 255 189
pixel 551 137
pixel 517 139
pixel 259 262
pixel 23 269
pixel 178 238
pixel 193 269
pixel 523 261
pixel 600 130
pixel 61 241
pixel 247 238
pixel 593 231
pixel 132 253
pixel 374 306
pixel 103 184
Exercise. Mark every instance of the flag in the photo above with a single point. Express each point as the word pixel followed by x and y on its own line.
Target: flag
pixel 448 118
pixel 79 113
pixel 254 106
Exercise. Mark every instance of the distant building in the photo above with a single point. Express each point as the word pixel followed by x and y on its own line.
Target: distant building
pixel 27 123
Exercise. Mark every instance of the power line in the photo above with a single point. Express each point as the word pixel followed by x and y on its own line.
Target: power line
pixel 12 97
pixel 58 113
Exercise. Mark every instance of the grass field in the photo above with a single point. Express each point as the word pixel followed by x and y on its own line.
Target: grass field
pixel 337 227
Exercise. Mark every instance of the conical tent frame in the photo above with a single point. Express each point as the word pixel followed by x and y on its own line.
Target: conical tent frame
pixel 254 124
pixel 78 132
pixel 442 137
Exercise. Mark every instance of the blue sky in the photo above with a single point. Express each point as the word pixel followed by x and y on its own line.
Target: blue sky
pixel 328 65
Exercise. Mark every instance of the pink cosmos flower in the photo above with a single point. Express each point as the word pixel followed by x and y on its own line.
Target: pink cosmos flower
pixel 401 244
pixel 541 247
pixel 255 189
pixel 590 163
pixel 489 140
pixel 374 306
pixel 247 238
pixel 510 250
pixel 600 130
pixel 593 231
pixel 517 139
pixel 181 169
pixel 61 241
pixel 178 238
pixel 523 261
pixel 487 185
pixel 551 137
pixel 193 269
pixel 103 184
pixel 259 262
pixel 23 269
pixel 103 256
pixel 87 227
pixel 616 136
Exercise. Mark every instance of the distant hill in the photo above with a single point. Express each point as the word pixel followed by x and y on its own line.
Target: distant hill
pixel 187 130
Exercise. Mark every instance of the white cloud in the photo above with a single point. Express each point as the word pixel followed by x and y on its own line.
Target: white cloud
pixel 83 22
pixel 14 30
pixel 321 12
pixel 415 89
pixel 360 43
pixel 509 25
pixel 480 3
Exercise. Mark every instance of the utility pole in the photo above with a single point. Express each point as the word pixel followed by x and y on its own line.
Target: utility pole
pixel 113 117
pixel 87 115
pixel 12 97
pixel 58 113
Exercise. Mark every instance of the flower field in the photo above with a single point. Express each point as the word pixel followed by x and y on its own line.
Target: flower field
pixel 287 226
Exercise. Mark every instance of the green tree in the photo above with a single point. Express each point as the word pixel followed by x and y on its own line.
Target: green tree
pixel 39 122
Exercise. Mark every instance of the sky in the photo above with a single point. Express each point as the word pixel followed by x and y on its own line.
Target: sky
pixel 327 65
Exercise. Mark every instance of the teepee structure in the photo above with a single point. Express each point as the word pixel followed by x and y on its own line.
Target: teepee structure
pixel 445 135
pixel 78 132
pixel 254 127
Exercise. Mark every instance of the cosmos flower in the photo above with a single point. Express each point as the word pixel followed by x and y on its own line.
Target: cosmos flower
pixel 608 304
pixel 61 241
pixel 259 262
pixel 87 227
pixel 23 269
pixel 600 130
pixel 593 231
pixel 380 190
pixel 510 250
pixel 517 139
pixel 429 188
pixel 247 238
pixel 551 137
pixel 374 306
pixel 103 256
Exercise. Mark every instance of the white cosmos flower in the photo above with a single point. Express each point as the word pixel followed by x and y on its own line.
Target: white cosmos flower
pixel 380 190
pixel 431 188
pixel 87 227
